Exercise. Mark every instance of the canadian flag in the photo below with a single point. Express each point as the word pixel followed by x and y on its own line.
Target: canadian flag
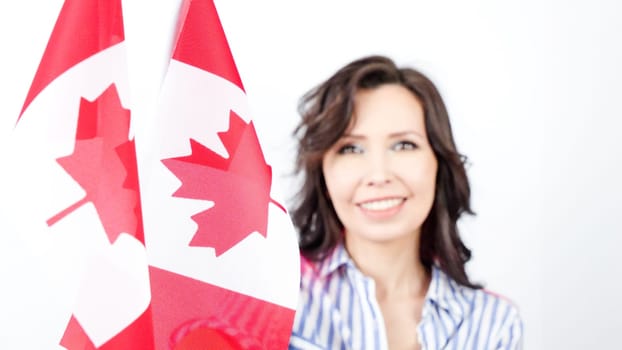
pixel 209 259
pixel 213 225
pixel 70 198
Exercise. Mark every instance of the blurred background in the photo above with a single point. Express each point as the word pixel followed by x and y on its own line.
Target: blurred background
pixel 533 90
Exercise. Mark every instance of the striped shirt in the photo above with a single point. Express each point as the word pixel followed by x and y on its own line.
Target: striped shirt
pixel 338 310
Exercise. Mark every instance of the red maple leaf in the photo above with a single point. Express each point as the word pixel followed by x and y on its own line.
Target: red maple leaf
pixel 239 186
pixel 104 164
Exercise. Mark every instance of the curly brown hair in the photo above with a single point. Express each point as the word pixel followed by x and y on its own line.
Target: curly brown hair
pixel 326 113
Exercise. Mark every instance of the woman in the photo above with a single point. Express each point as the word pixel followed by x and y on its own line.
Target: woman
pixel 383 188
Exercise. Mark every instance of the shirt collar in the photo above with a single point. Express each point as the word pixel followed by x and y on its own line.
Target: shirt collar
pixel 447 293
pixel 338 257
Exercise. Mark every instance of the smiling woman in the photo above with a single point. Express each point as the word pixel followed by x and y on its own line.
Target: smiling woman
pixel 383 189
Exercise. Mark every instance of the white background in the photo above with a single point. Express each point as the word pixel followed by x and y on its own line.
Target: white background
pixel 533 90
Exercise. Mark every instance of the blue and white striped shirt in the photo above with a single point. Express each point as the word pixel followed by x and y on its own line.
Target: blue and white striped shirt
pixel 338 310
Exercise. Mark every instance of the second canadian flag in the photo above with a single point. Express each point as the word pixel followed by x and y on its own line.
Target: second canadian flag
pixel 213 228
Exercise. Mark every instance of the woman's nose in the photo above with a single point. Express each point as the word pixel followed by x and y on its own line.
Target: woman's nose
pixel 378 169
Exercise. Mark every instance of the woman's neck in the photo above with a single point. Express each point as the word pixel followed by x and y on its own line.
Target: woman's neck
pixel 394 266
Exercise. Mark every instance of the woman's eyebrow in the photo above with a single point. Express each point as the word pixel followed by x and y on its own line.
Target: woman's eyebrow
pixel 392 135
pixel 406 133
pixel 352 136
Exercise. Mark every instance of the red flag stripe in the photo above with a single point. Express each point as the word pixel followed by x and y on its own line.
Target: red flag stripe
pixel 72 41
pixel 202 42
pixel 248 320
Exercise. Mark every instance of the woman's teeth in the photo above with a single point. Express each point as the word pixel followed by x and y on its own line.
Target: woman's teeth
pixel 382 204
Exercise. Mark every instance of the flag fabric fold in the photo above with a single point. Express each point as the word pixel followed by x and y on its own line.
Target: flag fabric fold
pixel 178 246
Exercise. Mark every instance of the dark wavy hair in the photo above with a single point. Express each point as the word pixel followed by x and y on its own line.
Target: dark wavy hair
pixel 326 113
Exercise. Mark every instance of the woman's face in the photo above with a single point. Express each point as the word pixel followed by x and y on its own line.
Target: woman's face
pixel 381 174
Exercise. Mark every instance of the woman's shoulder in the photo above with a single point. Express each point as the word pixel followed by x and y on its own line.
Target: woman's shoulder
pixel 445 289
pixel 315 304
pixel 499 309
pixel 483 298
pixel 322 270
pixel 494 314
pixel 503 316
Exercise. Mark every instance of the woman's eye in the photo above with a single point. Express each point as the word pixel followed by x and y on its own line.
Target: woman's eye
pixel 405 146
pixel 347 149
